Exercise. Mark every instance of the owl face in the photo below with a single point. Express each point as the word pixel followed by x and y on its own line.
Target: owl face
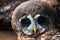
pixel 32 18
pixel 34 25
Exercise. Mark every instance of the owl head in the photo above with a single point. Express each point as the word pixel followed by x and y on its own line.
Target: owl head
pixel 32 18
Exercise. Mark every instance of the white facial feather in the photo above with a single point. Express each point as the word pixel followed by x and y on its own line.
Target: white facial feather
pixel 27 32
pixel 38 26
pixel 32 23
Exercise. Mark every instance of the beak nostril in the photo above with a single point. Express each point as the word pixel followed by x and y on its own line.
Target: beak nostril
pixel 34 32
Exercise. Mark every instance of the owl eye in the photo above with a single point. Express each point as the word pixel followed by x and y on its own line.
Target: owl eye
pixel 25 22
pixel 42 20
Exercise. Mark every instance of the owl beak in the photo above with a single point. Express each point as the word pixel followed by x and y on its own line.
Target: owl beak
pixel 35 30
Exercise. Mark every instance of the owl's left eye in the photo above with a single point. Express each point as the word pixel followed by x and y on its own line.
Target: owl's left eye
pixel 42 20
pixel 25 22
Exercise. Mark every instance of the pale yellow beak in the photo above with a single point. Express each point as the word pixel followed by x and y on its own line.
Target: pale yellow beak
pixel 35 29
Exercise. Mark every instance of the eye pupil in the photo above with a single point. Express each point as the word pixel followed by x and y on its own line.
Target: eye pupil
pixel 25 22
pixel 41 20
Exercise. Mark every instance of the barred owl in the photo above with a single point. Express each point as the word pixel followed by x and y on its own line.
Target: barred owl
pixel 33 18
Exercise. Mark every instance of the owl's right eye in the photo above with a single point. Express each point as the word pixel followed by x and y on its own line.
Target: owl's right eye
pixel 25 22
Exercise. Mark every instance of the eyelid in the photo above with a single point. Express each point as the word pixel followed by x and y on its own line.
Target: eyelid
pixel 21 18
pixel 36 16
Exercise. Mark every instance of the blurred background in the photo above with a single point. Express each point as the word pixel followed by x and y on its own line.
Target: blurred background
pixel 6 9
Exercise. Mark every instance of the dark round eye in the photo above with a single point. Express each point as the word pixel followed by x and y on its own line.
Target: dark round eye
pixel 25 22
pixel 42 20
